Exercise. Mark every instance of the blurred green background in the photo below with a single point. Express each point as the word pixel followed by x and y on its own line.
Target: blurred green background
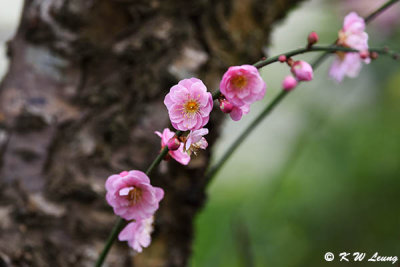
pixel 321 174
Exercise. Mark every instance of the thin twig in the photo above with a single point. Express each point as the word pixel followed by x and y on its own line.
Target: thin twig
pixel 379 11
pixel 110 240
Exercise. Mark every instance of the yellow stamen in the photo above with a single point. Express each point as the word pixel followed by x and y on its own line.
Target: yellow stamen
pixel 239 81
pixel 191 107
pixel 134 195
pixel 341 41
pixel 342 38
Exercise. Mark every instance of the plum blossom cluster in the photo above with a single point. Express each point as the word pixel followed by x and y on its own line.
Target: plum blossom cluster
pixel 189 105
pixel 352 35
pixel 134 199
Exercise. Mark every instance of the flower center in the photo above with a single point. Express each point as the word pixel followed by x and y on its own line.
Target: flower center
pixel 342 42
pixel 191 106
pixel 341 55
pixel 239 81
pixel 133 194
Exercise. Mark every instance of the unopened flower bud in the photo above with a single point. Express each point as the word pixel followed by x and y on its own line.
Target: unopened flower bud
pixel 173 143
pixel 364 54
pixel 312 38
pixel 302 70
pixel 373 55
pixel 282 58
pixel 289 83
pixel 225 106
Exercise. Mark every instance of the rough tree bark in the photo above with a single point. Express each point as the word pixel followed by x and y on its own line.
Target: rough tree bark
pixel 81 100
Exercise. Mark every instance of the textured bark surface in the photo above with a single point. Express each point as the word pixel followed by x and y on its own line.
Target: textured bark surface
pixel 81 100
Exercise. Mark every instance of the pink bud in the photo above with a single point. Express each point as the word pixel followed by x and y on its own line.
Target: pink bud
pixel 289 83
pixel 312 38
pixel 282 58
pixel 364 54
pixel 173 143
pixel 225 106
pixel 302 70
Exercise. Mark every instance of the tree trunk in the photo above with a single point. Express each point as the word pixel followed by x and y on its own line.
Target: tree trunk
pixel 81 100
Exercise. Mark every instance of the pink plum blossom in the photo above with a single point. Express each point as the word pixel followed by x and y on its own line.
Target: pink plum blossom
pixel 237 112
pixel 242 85
pixel 352 35
pixel 353 32
pixel 196 141
pixel 385 24
pixel 289 83
pixel 189 104
pixel 178 155
pixel 138 234
pixel 302 70
pixel 132 196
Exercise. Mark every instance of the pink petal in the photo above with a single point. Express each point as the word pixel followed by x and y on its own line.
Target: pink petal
pixel 236 114
pixel 159 193
pixel 110 181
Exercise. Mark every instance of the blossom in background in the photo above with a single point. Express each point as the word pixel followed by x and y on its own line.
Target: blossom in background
pixel 132 196
pixel 179 155
pixel 302 70
pixel 384 25
pixel 289 83
pixel 138 233
pixel 195 141
pixel 242 85
pixel 352 35
pixel 189 104
pixel 349 65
